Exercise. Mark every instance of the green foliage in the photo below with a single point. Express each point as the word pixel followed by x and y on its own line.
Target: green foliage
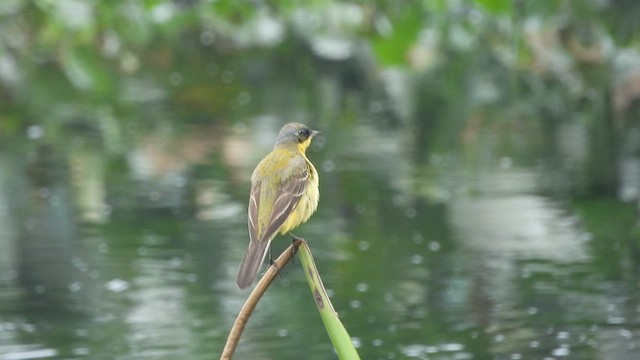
pixel 496 6
pixel 392 46
pixel 86 70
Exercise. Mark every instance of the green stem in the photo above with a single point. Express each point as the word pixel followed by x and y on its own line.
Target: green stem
pixel 337 333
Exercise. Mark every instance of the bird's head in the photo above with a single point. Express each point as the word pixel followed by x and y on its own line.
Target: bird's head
pixel 296 134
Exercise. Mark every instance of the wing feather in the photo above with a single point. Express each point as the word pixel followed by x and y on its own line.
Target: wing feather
pixel 254 205
pixel 287 197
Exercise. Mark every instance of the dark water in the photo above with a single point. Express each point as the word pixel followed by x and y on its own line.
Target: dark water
pixel 134 256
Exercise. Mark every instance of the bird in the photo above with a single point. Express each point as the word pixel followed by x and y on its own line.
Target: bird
pixel 284 194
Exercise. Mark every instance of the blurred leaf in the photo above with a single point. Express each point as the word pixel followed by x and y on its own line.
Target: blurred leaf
pixel 236 12
pixel 10 125
pixel 131 21
pixel 392 49
pixel 496 6
pixel 150 4
pixel 86 70
pixel 544 8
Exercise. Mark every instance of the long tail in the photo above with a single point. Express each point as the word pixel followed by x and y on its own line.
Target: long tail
pixel 251 263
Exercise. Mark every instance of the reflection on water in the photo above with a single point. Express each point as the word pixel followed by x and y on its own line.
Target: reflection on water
pixel 140 262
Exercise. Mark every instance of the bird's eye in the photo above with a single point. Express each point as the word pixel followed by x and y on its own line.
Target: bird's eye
pixel 303 134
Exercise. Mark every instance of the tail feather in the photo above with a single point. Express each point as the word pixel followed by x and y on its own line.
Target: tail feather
pixel 251 263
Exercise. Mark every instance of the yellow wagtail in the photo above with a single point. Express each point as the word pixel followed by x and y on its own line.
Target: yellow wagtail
pixel 284 194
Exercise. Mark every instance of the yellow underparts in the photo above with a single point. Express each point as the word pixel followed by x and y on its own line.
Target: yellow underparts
pixel 306 206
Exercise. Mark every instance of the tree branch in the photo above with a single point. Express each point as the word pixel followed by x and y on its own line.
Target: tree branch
pixel 254 297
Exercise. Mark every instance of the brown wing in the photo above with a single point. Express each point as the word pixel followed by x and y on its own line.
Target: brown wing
pixel 254 205
pixel 287 197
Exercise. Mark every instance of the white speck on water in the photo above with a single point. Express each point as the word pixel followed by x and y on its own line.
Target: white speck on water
pixel 625 333
pixel 35 132
pixel 117 285
pixel 416 259
pixel 75 286
pixel 175 261
pixel 615 320
pixel 451 347
pixel 30 328
pixel 563 350
pixel 434 246
pixel 363 245
pixel 362 287
pixel 81 351
pixel 32 354
pixel 505 162
pixel 418 350
pixel 328 166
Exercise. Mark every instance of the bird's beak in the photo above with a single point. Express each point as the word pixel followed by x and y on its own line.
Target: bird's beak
pixel 315 133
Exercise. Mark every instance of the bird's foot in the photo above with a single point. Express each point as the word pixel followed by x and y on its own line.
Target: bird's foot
pixel 275 266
